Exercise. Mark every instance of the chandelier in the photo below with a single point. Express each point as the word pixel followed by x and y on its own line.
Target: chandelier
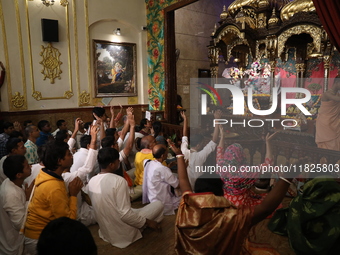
pixel 48 2
pixel 51 2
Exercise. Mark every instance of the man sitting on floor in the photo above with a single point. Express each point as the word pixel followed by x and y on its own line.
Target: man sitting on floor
pixel 50 199
pixel 198 152
pixel 32 133
pixel 61 125
pixel 158 180
pixel 14 146
pixel 8 129
pixel 147 143
pixel 80 156
pixel 45 132
pixel 13 204
pixel 119 223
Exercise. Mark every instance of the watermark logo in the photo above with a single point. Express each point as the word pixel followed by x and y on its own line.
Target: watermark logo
pixel 209 90
pixel 238 100
pixel 239 109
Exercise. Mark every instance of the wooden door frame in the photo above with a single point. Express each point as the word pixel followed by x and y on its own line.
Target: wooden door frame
pixel 170 60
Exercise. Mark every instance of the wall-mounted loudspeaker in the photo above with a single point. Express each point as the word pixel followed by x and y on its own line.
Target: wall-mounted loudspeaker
pixel 50 31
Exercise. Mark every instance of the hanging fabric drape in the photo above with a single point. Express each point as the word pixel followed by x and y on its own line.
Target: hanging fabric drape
pixel 328 12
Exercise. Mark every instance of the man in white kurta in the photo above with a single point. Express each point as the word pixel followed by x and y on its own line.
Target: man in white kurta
pixel 12 212
pixel 15 147
pixel 2 175
pixel 35 171
pixel 198 154
pixel 13 208
pixel 85 212
pixel 158 180
pixel 196 158
pixel 119 224
pixel 134 150
pixel 79 158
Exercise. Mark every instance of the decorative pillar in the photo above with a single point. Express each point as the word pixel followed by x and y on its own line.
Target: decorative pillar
pixel 272 73
pixel 272 54
pixel 213 56
pixel 326 61
pixel 300 69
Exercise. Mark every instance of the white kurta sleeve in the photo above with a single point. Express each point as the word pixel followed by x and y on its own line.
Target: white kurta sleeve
pixel 209 148
pixel 71 142
pixel 185 147
pixel 87 168
pixel 120 143
pixel 127 215
pixel 15 208
pixel 170 178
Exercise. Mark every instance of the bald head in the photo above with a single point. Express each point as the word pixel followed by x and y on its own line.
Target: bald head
pixel 147 142
pixel 159 150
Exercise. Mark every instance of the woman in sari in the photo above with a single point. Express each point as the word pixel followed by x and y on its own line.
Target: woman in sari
pixel 239 186
pixel 207 223
pixel 312 221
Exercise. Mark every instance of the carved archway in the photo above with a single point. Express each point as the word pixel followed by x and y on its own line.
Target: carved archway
pixel 314 31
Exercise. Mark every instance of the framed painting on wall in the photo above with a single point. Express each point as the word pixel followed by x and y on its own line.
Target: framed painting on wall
pixel 115 68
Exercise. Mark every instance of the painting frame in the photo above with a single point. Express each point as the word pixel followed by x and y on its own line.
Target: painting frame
pixel 115 69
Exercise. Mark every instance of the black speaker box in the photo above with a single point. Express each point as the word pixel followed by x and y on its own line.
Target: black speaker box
pixel 50 31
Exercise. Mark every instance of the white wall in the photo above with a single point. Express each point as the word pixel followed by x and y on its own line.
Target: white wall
pixel 79 23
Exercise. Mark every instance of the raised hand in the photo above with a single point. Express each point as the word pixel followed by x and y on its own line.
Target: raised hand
pixel 129 111
pixel 97 118
pixel 183 115
pixel 112 111
pixel 217 114
pixel 131 119
pixel 77 123
pixel 17 126
pixel 94 130
pixel 176 150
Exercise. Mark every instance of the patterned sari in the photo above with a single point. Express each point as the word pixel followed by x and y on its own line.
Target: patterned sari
pixel 312 221
pixel 237 185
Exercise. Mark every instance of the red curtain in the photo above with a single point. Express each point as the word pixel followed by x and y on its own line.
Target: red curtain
pixel 329 14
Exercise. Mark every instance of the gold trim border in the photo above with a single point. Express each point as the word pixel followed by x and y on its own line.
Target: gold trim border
pixel 23 99
pixel 8 69
pixel 75 27
pixel 30 48
pixel 314 31
pixel 68 95
pixel 87 32
pixel 37 94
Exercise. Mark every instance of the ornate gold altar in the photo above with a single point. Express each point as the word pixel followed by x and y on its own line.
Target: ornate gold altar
pixel 270 31
pixel 287 38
